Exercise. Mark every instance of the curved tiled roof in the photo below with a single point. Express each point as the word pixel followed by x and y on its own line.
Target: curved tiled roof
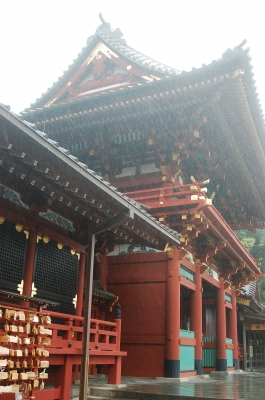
pixel 138 208
pixel 135 56
pixel 113 39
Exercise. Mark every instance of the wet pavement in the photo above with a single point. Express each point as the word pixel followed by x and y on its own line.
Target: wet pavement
pixel 237 385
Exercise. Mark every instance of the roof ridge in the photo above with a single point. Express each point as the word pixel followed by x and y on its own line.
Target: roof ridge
pixel 115 39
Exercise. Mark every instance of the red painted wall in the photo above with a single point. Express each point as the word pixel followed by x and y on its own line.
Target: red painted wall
pixel 140 282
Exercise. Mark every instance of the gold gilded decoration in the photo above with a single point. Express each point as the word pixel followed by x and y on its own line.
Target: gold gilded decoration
pixel 19 228
pixel 208 202
pixel 73 251
pixel 166 247
pixel 2 220
pixel 20 287
pixel 46 239
pixel 100 48
pixel 38 238
pixel 26 233
pixel 242 300
pixel 115 301
pixel 75 301
pixel 258 327
pixel 33 290
pixel 60 246
pixel 50 102
pixel 169 253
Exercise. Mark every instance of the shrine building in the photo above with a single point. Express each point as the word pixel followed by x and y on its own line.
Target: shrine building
pixel 161 167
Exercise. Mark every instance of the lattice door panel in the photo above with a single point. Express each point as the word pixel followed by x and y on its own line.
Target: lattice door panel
pixel 13 246
pixel 55 275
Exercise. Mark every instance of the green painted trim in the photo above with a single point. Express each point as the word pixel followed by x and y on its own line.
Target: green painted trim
pixel 208 295
pixel 209 358
pixel 228 298
pixel 187 355
pixel 229 357
pixel 186 273
pixel 229 341
pixel 187 334
pixel 208 339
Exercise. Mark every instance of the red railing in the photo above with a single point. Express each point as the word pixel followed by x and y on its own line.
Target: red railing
pixel 65 348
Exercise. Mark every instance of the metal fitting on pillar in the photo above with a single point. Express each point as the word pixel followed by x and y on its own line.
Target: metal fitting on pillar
pixel 117 311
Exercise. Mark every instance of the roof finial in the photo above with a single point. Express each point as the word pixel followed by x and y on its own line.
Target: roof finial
pixel 101 18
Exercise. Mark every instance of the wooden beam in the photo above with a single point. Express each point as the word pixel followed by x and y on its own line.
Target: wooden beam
pixel 111 223
pixel 83 390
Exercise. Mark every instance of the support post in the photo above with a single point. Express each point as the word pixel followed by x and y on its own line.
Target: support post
pixel 83 391
pixel 114 371
pixel 64 378
pixel 196 320
pixel 29 265
pixel 102 269
pixel 221 360
pixel 172 353
pixel 80 285
pixel 233 330
pixel 245 346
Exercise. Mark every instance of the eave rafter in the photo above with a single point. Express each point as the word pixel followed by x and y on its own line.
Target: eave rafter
pixel 162 97
pixel 245 178
pixel 78 203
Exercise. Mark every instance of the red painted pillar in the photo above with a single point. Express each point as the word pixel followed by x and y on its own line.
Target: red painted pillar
pixel 114 371
pixel 63 378
pixel 102 269
pixel 172 350
pixel 196 320
pixel 80 285
pixel 29 265
pixel 233 330
pixel 221 361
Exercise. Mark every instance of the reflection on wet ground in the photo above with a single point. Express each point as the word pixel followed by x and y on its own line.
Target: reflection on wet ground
pixel 243 386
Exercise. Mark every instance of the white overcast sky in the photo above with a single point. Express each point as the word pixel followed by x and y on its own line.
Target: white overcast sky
pixel 40 38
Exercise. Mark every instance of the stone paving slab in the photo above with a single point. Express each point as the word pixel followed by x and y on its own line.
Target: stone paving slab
pixel 235 386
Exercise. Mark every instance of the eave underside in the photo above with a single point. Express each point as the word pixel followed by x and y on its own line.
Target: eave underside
pixel 205 130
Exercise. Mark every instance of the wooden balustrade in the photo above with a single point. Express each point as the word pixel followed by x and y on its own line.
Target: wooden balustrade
pixel 66 347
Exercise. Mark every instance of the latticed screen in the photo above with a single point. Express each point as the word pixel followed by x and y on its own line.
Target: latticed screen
pixel 55 276
pixel 12 256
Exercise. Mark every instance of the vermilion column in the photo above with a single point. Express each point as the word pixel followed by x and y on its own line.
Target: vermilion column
pixel 102 269
pixel 196 321
pixel 221 361
pixel 233 330
pixel 29 264
pixel 172 353
pixel 80 284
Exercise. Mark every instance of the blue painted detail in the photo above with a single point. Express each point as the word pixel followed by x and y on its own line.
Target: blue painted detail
pixel 229 341
pixel 229 357
pixel 228 298
pixel 187 354
pixel 209 358
pixel 187 273
pixel 187 334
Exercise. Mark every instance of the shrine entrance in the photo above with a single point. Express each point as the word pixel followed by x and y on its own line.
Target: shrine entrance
pixel 255 348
